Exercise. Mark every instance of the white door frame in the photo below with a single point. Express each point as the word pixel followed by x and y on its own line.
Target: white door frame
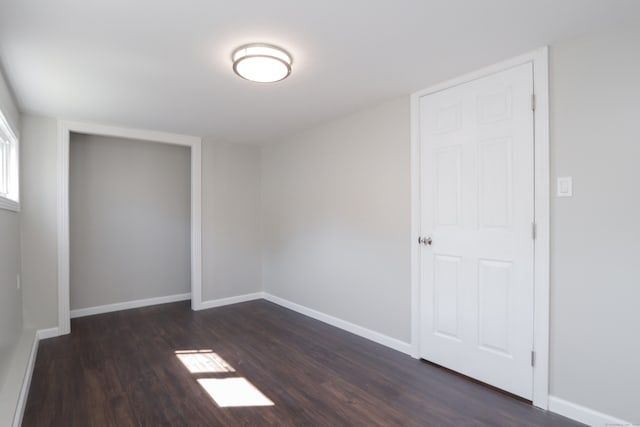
pixel 539 59
pixel 64 131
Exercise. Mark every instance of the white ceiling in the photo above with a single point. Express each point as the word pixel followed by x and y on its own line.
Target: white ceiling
pixel 165 65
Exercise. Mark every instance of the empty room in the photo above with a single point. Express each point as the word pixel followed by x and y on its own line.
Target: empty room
pixel 362 213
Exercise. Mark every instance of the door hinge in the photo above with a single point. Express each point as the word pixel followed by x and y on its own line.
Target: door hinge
pixel 533 102
pixel 533 358
pixel 534 230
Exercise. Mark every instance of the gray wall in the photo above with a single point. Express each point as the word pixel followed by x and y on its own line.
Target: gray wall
pixel 38 233
pixel 10 296
pixel 129 215
pixel 231 249
pixel 595 270
pixel 336 209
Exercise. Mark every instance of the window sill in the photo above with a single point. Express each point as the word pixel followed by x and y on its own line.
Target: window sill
pixel 10 205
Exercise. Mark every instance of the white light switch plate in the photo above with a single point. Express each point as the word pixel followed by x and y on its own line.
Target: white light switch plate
pixel 565 186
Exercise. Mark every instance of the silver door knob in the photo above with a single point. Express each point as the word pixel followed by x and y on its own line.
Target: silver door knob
pixel 425 241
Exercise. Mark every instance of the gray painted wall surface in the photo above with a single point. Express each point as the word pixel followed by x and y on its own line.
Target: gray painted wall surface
pixel 38 227
pixel 336 209
pixel 129 215
pixel 231 244
pixel 10 296
pixel 595 237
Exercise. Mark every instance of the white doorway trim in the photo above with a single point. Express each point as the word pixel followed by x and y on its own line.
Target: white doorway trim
pixel 539 59
pixel 65 128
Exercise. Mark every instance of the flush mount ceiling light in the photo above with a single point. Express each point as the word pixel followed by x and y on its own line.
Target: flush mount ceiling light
pixel 261 63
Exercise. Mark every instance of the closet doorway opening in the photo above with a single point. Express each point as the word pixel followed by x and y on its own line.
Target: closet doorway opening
pixel 135 235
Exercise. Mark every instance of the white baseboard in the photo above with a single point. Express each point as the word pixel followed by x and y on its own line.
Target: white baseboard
pixel 43 334
pixel 385 340
pixel 334 321
pixel 40 334
pixel 108 308
pixel 583 414
pixel 26 382
pixel 228 301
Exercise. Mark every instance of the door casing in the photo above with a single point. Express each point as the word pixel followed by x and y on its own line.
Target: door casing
pixel 539 60
pixel 65 128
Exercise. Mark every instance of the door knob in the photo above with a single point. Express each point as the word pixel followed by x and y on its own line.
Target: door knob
pixel 425 241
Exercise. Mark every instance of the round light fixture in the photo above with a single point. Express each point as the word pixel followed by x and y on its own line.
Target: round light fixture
pixel 261 63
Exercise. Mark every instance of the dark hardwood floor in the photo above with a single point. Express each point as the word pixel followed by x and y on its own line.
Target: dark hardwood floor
pixel 121 369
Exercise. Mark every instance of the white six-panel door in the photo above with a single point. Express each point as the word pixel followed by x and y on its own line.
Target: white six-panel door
pixel 477 194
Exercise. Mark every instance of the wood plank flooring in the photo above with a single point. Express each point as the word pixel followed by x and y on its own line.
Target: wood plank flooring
pixel 121 369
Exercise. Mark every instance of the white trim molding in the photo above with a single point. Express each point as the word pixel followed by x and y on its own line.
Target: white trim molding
pixel 539 60
pixel 230 300
pixel 403 347
pixel 8 204
pixel 11 201
pixel 26 382
pixel 38 336
pixel 583 414
pixel 127 305
pixel 65 128
pixel 44 334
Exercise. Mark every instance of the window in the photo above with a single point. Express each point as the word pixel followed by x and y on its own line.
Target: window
pixel 8 167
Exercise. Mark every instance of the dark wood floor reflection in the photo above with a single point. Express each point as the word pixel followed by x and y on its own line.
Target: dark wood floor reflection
pixel 121 369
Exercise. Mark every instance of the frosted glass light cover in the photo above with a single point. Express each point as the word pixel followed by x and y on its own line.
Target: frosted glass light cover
pixel 261 63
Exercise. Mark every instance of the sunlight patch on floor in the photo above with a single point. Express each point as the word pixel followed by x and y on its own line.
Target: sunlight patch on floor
pixel 203 361
pixel 234 392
